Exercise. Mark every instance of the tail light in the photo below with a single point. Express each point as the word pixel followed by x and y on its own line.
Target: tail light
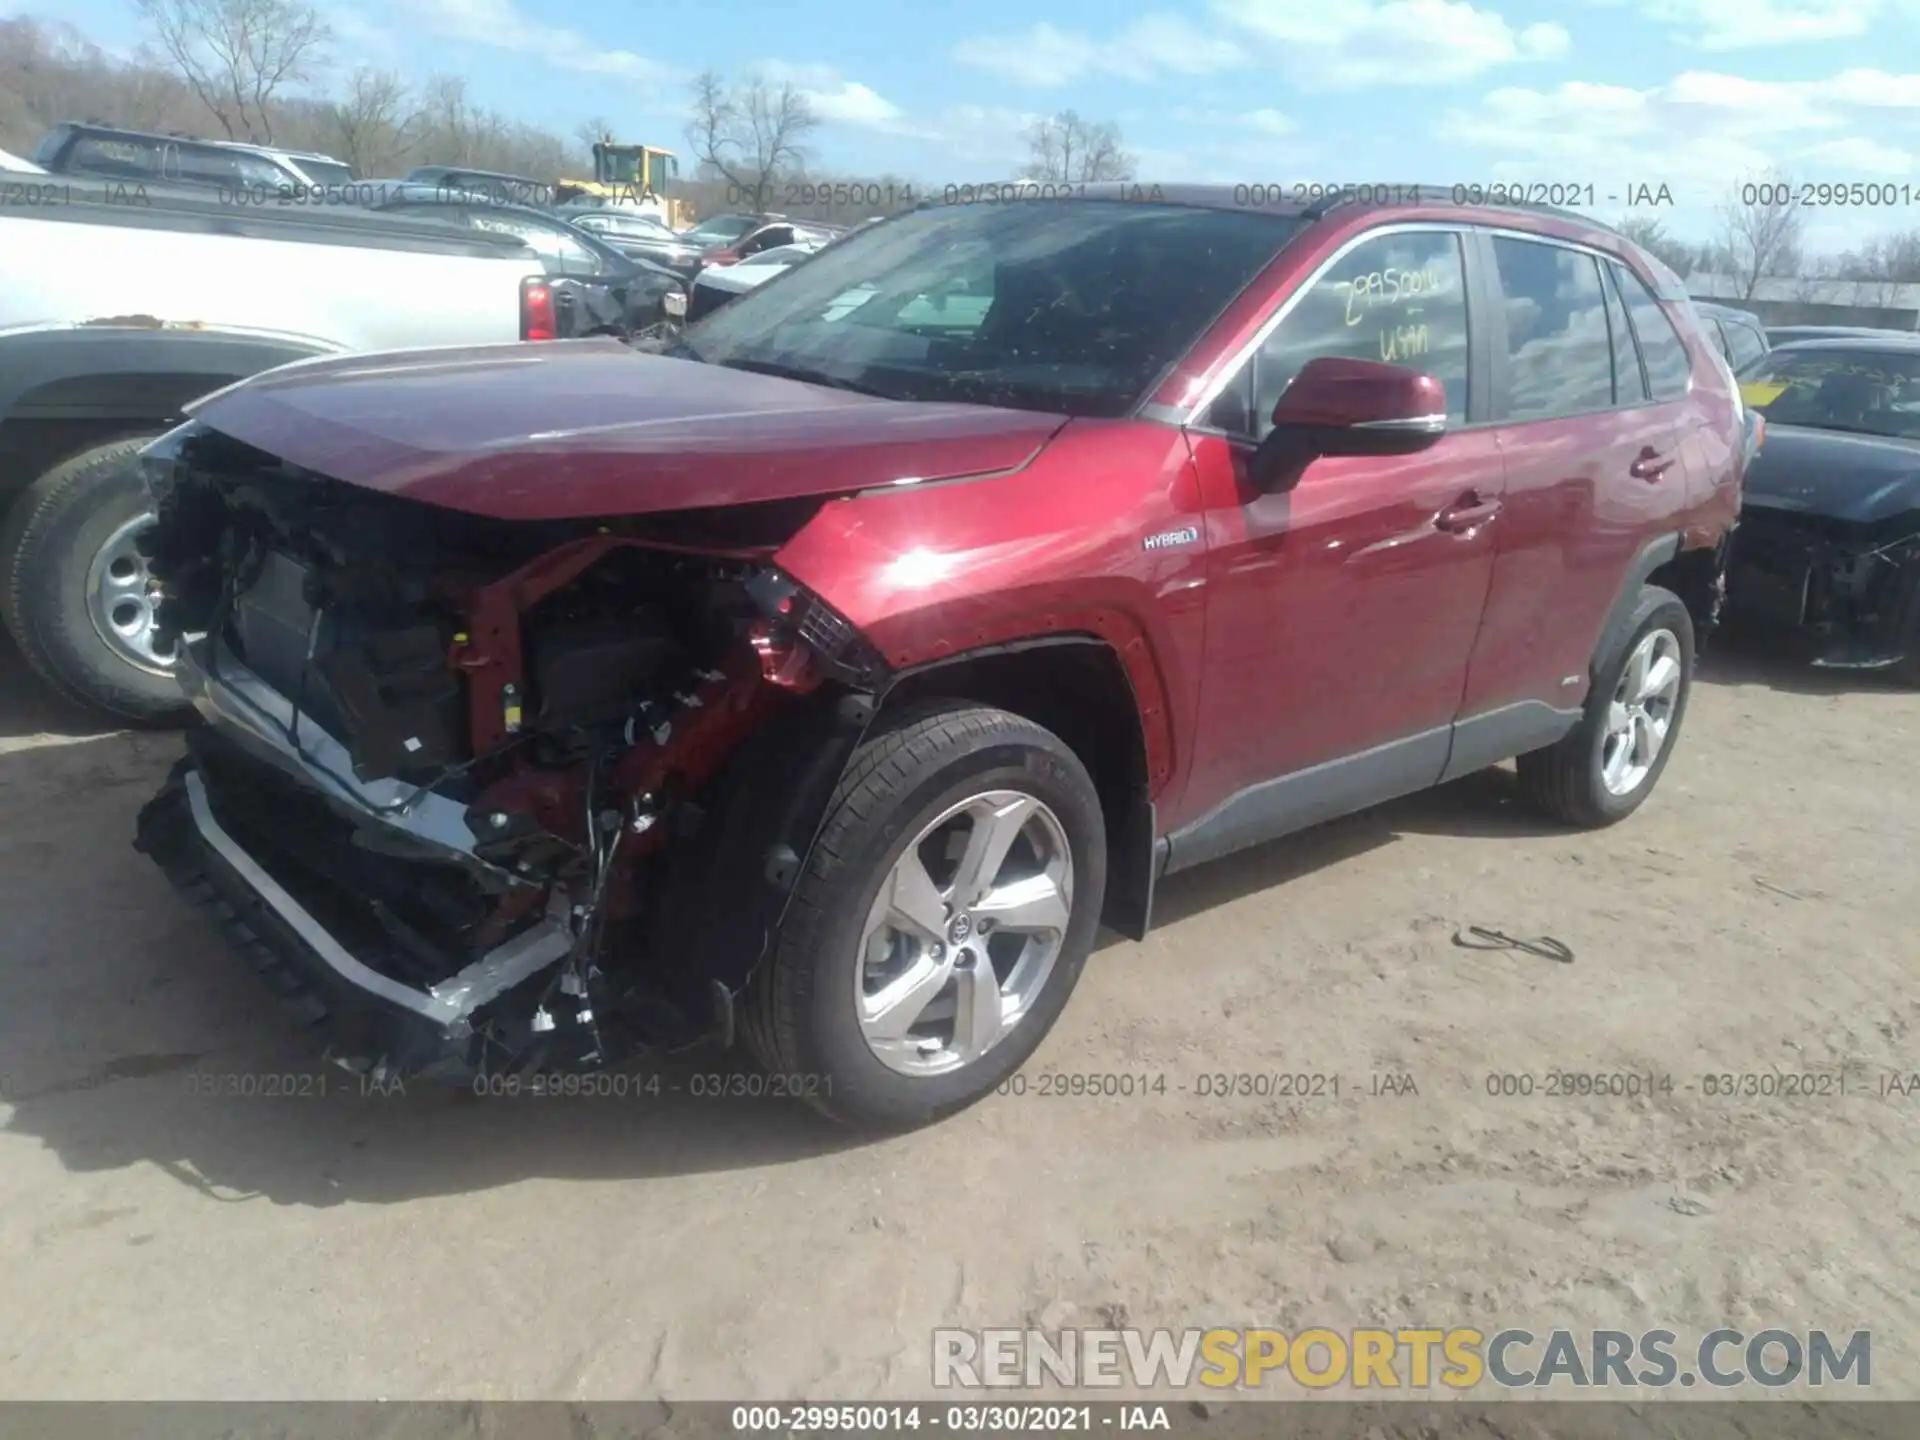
pixel 720 257
pixel 537 318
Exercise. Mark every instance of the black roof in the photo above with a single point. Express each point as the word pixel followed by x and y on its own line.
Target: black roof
pixel 1277 199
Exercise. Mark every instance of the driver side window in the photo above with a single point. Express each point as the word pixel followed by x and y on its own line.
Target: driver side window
pixel 1399 298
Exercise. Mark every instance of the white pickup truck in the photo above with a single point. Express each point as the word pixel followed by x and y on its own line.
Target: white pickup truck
pixel 119 305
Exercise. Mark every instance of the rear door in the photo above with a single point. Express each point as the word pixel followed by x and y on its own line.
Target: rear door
pixel 1591 425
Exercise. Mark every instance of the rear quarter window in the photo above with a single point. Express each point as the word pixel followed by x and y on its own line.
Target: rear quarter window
pixel 1669 366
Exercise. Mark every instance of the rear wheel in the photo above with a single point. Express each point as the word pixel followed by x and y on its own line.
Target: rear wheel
pixel 942 922
pixel 74 588
pixel 1605 768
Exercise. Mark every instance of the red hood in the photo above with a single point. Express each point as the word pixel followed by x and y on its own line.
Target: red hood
pixel 589 427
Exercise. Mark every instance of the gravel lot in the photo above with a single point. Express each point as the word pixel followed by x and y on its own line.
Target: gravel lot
pixel 1758 916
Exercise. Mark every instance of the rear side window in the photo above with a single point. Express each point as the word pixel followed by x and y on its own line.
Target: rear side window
pixel 1559 355
pixel 1669 367
pixel 126 158
pixel 1748 345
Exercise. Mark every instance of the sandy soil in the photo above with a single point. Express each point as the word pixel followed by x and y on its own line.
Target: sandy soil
pixel 1757 916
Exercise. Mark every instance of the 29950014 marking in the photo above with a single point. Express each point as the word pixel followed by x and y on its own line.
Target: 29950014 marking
pixel 1565 1084
pixel 787 1419
pixel 1110 1084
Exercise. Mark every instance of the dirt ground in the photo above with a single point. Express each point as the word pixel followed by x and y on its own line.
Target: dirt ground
pixel 1757 916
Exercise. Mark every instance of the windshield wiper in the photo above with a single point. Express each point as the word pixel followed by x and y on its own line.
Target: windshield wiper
pixel 801 373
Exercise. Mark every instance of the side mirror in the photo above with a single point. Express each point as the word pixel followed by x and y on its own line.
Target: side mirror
pixel 1336 406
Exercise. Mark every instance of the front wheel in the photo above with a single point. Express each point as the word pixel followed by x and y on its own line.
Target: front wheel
pixel 942 921
pixel 1605 768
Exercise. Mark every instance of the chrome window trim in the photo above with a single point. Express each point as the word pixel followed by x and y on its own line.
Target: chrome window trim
pixel 1244 355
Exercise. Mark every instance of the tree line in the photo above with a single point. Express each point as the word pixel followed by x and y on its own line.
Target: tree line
pixel 263 71
pixel 1761 234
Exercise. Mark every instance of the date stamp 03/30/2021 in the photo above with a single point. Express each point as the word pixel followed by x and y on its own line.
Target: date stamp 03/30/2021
pixel 1282 1084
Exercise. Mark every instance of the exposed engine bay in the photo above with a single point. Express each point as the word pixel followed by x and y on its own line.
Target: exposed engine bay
pixel 460 769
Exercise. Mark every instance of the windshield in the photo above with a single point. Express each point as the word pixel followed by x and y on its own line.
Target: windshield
pixel 1864 391
pixel 619 167
pixel 1071 306
pixel 721 229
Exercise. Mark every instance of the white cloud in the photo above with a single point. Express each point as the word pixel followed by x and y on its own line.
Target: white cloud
pixel 836 99
pixel 1700 133
pixel 1047 57
pixel 1745 24
pixel 855 104
pixel 498 23
pixel 1332 44
pixel 1268 122
pixel 1856 153
pixel 1319 44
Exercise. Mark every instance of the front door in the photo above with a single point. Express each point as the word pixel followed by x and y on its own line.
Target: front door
pixel 1341 611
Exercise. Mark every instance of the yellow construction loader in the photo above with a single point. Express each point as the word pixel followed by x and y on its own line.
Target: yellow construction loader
pixel 635 177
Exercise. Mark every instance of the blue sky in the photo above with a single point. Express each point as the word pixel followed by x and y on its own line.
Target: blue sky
pixel 1693 94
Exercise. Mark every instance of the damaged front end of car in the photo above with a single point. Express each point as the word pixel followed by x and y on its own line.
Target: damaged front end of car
pixel 486 796
pixel 1848 590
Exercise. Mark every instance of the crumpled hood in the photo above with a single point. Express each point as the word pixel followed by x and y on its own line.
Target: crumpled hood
pixel 1858 479
pixel 573 429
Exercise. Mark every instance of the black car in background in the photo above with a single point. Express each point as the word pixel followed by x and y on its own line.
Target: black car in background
pixel 680 251
pixel 642 293
pixel 501 188
pixel 1739 334
pixel 1828 546
pixel 1788 334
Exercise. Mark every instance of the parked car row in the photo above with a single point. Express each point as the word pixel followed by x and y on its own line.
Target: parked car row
pixel 114 315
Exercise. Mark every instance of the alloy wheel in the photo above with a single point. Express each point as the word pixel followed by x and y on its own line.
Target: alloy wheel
pixel 1641 713
pixel 964 932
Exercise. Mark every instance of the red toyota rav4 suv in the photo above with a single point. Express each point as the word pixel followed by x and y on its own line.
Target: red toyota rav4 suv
pixel 827 676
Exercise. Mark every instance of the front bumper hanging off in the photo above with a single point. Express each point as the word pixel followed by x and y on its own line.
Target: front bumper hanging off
pixel 193 831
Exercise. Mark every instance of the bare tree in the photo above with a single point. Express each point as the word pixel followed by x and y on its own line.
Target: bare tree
pixel 751 134
pixel 239 54
pixel 1064 147
pixel 1651 235
pixel 374 124
pixel 589 133
pixel 1891 258
pixel 1762 228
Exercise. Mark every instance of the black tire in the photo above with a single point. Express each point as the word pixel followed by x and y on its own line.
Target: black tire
pixel 53 531
pixel 1564 780
pixel 799 1019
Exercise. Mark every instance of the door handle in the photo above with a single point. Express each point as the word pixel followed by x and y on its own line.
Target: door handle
pixel 1650 464
pixel 1470 512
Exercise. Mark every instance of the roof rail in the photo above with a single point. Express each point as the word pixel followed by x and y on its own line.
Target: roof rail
pixel 1390 193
